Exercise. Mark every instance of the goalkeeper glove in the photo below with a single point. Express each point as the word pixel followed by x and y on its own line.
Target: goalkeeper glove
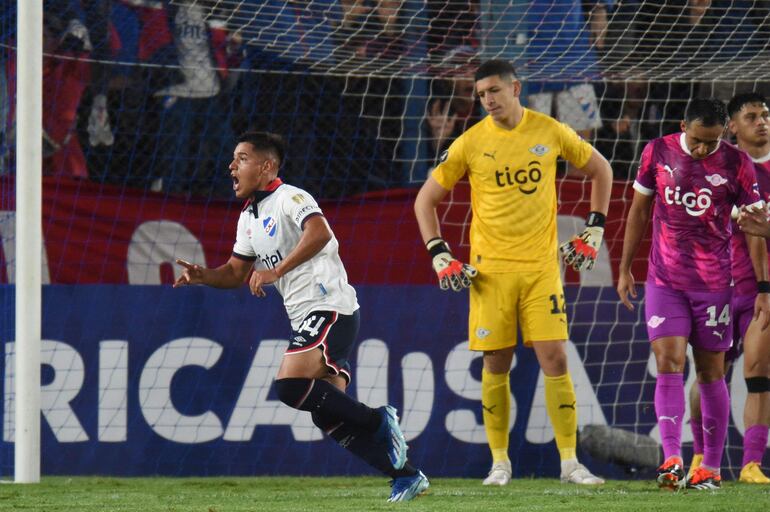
pixel 451 272
pixel 581 251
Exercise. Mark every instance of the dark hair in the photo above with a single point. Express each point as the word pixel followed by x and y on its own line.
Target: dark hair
pixel 740 100
pixel 265 141
pixel 709 111
pixel 494 67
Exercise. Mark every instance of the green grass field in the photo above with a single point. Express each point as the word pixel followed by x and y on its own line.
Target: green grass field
pixel 362 494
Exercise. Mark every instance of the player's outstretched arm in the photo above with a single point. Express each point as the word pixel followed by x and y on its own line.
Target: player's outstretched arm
pixel 636 225
pixel 316 233
pixel 581 251
pixel 230 275
pixel 451 272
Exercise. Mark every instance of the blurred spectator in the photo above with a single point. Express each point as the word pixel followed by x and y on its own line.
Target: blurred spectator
pixel 371 28
pixel 614 139
pixel 561 63
pixel 66 44
pixel 194 129
pixel 452 107
pixel 140 52
pixel 453 24
pixel 97 19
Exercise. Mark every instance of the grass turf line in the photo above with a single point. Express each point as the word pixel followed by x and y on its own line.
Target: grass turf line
pixel 340 494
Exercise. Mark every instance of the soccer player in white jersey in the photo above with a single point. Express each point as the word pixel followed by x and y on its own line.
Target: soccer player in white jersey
pixel 283 235
pixel 750 123
pixel 691 180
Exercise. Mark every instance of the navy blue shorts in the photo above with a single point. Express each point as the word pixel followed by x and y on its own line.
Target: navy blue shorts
pixel 331 332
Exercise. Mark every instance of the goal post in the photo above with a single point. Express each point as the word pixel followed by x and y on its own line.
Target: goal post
pixel 28 241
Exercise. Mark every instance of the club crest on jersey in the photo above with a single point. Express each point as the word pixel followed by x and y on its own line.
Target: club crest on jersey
pixel 270 226
pixel 655 321
pixel 716 179
pixel 539 149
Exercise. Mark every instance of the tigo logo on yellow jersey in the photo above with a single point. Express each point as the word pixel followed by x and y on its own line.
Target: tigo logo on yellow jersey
pixel 526 179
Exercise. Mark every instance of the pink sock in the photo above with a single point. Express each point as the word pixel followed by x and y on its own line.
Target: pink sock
pixel 754 443
pixel 696 425
pixel 715 414
pixel 669 408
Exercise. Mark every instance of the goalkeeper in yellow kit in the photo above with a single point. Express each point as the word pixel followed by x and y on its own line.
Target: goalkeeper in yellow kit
pixel 510 160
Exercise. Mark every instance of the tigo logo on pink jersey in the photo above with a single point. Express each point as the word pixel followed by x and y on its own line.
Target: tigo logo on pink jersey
pixel 695 205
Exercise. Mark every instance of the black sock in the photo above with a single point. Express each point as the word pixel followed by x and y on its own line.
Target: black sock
pixel 319 396
pixel 362 444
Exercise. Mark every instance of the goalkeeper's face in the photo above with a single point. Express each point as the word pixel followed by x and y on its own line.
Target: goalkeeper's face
pixel 499 96
pixel 250 170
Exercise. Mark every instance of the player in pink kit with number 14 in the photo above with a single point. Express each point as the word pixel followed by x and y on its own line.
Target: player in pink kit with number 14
pixel 750 123
pixel 693 180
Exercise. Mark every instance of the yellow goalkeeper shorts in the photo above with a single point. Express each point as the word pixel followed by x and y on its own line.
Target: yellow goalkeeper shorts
pixel 501 303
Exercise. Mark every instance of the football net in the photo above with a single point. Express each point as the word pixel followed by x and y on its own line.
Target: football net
pixel 142 101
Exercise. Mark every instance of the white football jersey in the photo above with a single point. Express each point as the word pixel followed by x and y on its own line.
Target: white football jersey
pixel 270 229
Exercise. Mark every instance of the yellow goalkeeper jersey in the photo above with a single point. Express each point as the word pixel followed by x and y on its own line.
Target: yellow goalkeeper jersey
pixel 512 174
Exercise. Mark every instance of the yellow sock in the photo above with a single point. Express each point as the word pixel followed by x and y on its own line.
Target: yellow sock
pixel 561 405
pixel 496 404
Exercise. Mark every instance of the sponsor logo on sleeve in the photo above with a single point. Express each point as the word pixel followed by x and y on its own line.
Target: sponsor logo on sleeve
pixel 304 211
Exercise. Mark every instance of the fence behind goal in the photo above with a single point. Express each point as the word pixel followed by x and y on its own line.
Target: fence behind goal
pixel 142 101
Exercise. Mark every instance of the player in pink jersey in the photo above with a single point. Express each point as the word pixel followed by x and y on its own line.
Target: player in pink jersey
pixel 692 179
pixel 750 123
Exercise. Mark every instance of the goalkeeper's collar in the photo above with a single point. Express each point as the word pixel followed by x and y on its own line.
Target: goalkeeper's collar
pixel 259 195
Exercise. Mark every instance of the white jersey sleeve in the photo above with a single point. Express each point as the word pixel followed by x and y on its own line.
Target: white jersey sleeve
pixel 300 206
pixel 243 245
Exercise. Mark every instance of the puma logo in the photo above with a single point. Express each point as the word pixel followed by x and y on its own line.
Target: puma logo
pixel 488 409
pixel 672 419
pixel 567 406
pixel 491 155
pixel 720 334
pixel 708 430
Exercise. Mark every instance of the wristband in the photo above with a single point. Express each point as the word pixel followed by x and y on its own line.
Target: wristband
pixel 763 286
pixel 596 219
pixel 437 246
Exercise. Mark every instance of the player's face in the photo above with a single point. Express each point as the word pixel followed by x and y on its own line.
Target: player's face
pixel 701 140
pixel 250 170
pixel 499 96
pixel 751 124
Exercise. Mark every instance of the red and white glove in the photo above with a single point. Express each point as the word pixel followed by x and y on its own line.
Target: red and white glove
pixel 581 251
pixel 451 272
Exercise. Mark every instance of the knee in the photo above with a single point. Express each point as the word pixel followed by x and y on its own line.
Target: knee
pixel 293 392
pixel 553 362
pixel 669 363
pixel 709 375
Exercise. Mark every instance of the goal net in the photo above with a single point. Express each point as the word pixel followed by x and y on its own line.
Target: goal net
pixel 142 102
